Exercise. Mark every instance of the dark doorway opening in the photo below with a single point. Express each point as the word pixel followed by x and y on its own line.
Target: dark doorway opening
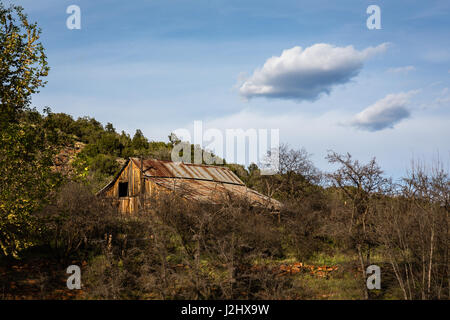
pixel 123 189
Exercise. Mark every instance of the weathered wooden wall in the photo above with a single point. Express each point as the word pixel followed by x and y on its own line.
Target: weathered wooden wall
pixel 131 204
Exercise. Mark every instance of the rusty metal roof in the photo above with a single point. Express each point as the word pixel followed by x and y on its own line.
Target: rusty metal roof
pixel 216 192
pixel 202 182
pixel 168 169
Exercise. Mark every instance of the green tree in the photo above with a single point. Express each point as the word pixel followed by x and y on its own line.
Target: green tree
pixel 139 141
pixel 26 147
pixel 110 128
pixel 23 62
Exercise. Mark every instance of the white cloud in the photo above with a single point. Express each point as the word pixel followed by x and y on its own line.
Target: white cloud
pixel 403 70
pixel 384 113
pixel 304 74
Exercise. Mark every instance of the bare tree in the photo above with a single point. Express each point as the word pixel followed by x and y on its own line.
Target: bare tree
pixel 360 183
pixel 414 230
pixel 296 173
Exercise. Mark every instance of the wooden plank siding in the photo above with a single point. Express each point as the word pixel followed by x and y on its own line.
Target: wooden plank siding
pixel 132 175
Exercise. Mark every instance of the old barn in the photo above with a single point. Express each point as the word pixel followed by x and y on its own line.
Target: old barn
pixel 140 180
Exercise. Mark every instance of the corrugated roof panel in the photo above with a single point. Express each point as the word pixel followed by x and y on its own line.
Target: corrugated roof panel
pixel 168 169
pixel 222 175
pixel 214 192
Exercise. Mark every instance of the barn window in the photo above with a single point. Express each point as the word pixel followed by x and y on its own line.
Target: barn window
pixel 123 189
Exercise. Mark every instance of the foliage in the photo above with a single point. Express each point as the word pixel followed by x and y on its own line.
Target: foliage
pixel 185 250
pixel 26 182
pixel 23 62
pixel 26 142
pixel 75 220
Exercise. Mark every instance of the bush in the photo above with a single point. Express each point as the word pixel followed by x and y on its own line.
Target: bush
pixel 187 250
pixel 77 220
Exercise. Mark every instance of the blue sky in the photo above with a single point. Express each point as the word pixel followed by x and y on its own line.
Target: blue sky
pixel 158 65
